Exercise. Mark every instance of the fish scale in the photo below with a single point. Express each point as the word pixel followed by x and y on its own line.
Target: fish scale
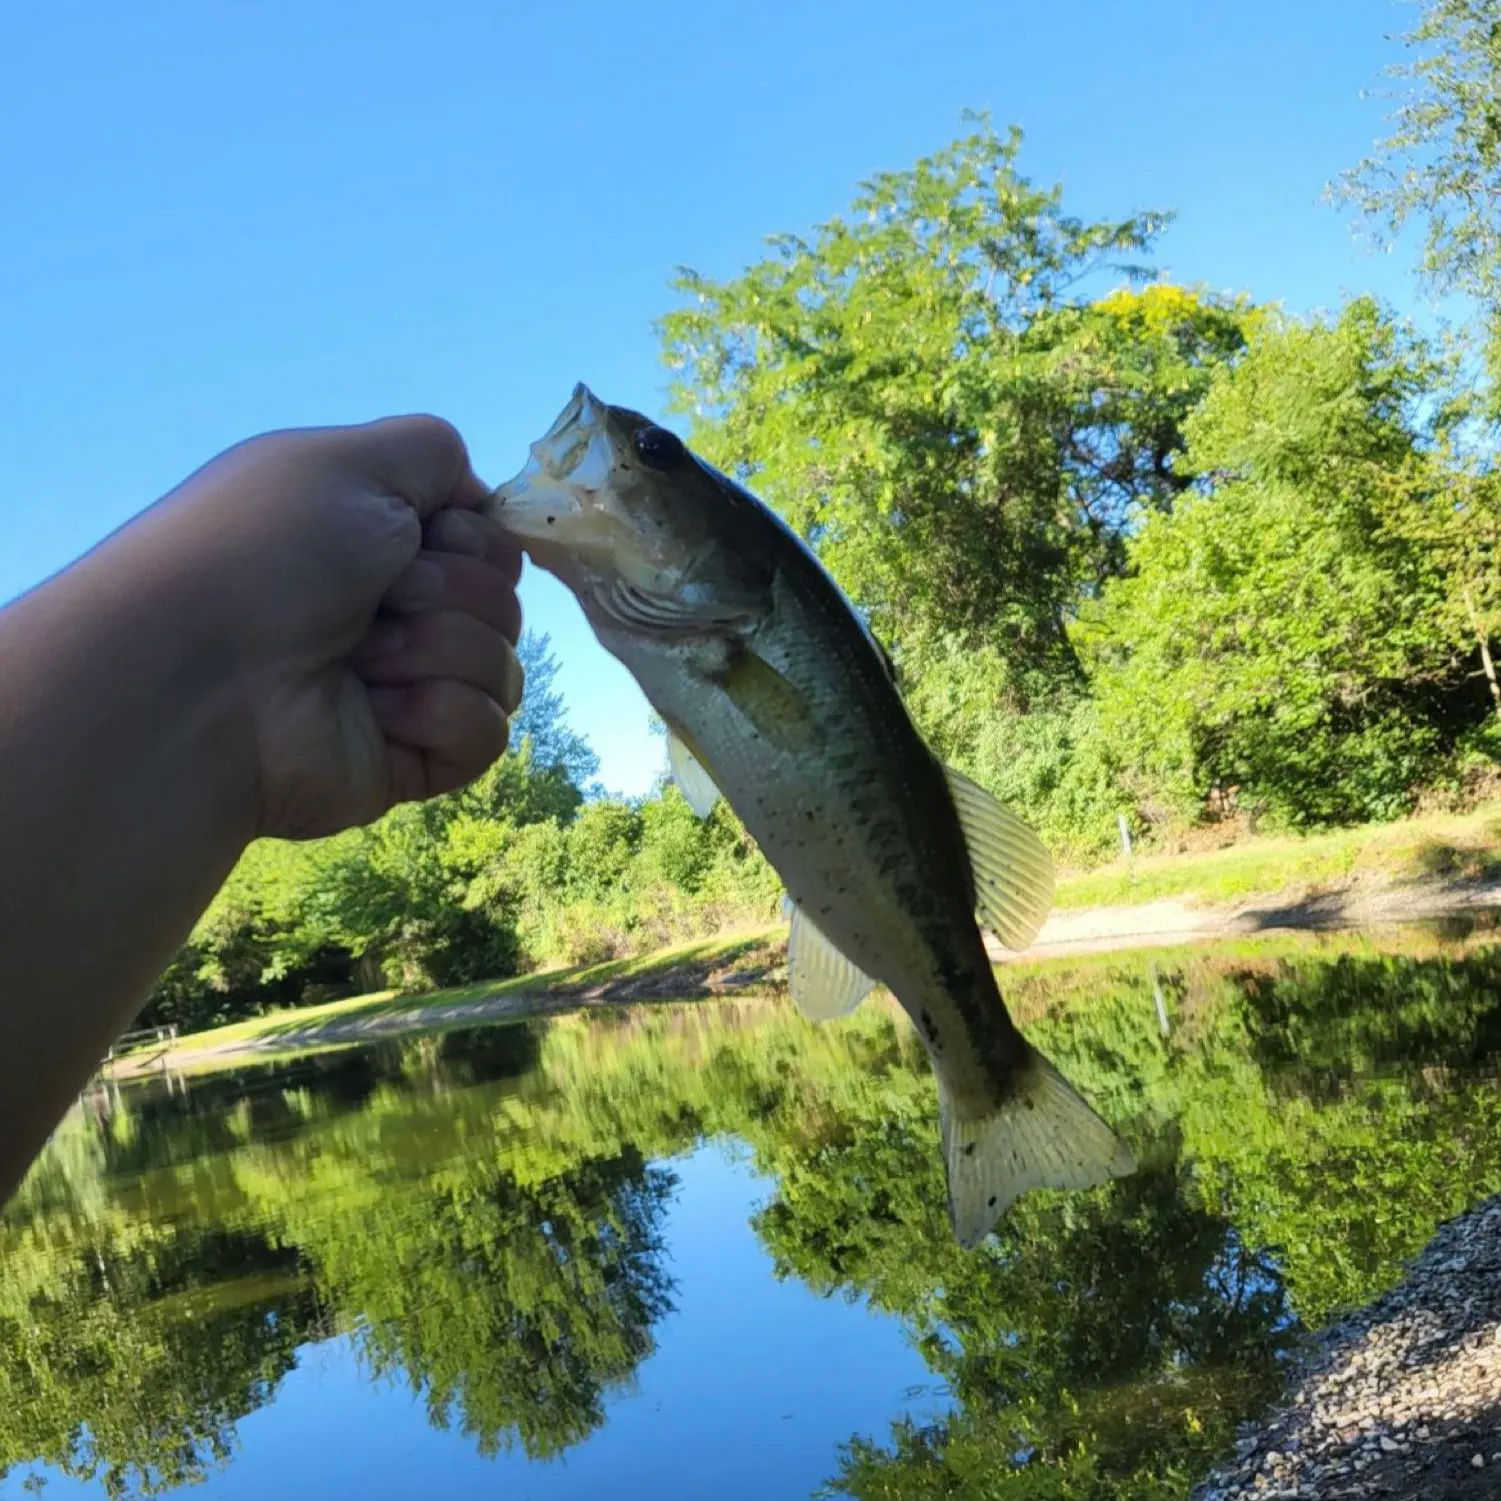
pixel 778 697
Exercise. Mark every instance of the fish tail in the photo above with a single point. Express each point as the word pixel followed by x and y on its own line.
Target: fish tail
pixel 1043 1136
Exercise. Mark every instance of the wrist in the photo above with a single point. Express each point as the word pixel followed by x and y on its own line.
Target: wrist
pixel 158 678
pixel 129 797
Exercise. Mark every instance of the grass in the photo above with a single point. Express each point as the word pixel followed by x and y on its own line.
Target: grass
pixel 299 1028
pixel 1464 846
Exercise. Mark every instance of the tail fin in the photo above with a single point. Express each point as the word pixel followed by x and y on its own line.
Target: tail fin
pixel 1043 1136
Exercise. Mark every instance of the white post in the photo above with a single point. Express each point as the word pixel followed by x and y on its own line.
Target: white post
pixel 1160 999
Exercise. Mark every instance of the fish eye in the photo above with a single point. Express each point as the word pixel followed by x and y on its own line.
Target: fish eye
pixel 658 448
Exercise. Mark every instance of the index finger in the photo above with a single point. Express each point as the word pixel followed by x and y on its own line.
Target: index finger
pixel 420 459
pixel 475 535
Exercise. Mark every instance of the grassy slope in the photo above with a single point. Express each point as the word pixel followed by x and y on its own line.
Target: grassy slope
pixel 700 955
pixel 1465 846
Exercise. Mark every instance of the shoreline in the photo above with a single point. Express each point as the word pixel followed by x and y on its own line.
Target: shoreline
pixel 1398 1400
pixel 751 963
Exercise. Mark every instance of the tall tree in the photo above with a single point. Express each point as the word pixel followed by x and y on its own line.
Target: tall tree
pixel 926 391
pixel 1277 632
pixel 1440 166
pixel 542 720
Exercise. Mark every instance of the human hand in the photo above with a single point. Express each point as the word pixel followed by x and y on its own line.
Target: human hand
pixel 367 611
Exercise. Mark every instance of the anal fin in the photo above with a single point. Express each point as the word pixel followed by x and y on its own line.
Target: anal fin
pixel 1012 868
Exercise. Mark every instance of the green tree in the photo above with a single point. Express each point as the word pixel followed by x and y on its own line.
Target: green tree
pixel 542 721
pixel 1275 633
pixel 1450 506
pixel 923 389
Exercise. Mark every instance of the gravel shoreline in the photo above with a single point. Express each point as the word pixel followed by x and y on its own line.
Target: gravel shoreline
pixel 1401 1399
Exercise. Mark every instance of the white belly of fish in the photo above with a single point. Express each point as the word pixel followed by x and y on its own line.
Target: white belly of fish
pixel 793 809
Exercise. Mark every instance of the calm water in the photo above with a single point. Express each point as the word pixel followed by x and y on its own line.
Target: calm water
pixel 701 1250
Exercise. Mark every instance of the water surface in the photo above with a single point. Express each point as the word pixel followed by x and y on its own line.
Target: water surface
pixel 693 1250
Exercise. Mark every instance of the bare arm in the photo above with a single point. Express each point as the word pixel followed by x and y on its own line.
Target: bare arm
pixel 214 672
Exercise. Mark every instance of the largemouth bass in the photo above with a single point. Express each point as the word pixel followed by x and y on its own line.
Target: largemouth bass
pixel 777 696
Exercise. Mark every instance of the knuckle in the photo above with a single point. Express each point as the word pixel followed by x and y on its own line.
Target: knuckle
pixel 447 632
pixel 427 428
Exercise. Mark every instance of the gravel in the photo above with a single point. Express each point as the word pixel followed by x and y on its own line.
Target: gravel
pixel 1399 1400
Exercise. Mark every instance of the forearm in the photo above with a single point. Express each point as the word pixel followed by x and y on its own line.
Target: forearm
pixel 126 794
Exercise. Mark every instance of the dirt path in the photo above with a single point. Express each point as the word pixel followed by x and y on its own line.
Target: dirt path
pixel 1091 930
pixel 1360 903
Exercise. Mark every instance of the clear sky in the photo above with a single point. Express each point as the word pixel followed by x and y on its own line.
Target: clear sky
pixel 221 217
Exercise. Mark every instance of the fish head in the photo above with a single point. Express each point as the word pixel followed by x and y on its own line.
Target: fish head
pixel 609 497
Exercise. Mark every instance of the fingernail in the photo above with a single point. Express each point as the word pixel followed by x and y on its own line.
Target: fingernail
pixel 385 640
pixel 515 684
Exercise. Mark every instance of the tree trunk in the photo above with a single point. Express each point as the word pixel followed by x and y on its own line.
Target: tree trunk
pixel 1486 661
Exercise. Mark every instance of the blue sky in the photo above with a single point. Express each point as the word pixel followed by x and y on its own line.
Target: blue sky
pixel 228 216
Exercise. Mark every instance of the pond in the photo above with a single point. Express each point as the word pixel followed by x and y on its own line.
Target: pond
pixel 701 1249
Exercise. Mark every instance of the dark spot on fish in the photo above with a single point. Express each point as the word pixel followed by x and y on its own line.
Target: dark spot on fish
pixel 551 519
pixel 1030 1104
pixel 991 1202
pixel 969 1149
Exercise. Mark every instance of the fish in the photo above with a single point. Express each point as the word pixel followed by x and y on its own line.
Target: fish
pixel 777 696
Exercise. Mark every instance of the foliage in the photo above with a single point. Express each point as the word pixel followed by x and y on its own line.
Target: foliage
pixel 1277 634
pixel 1440 167
pixel 1296 560
pixel 1139 551
pixel 626 878
pixel 921 389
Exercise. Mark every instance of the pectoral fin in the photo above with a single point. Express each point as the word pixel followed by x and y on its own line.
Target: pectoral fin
pixel 1012 868
pixel 774 706
pixel 696 785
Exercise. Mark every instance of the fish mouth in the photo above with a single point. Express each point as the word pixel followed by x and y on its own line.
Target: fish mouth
pixel 552 496
pixel 584 410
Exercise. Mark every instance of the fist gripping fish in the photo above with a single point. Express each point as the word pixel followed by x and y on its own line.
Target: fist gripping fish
pixel 777 696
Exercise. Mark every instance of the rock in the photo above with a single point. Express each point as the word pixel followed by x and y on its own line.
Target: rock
pixel 1422 1363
